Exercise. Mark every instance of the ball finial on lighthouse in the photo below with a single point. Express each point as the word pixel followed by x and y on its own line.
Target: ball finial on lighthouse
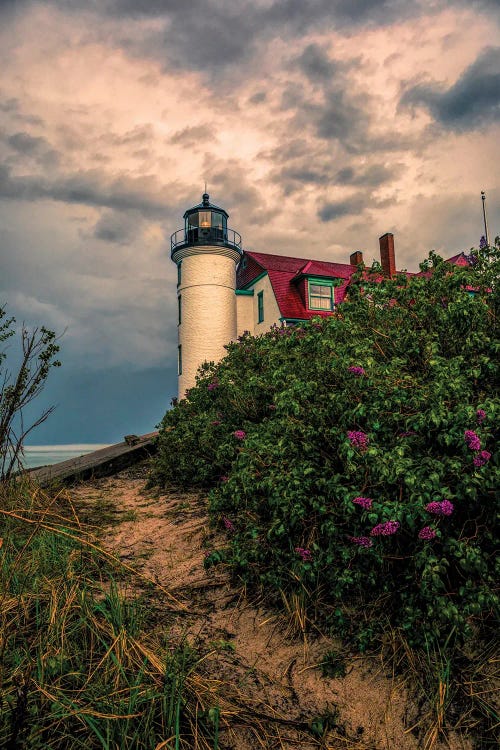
pixel 206 253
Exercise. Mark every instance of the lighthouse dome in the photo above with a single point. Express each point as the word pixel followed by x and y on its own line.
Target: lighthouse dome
pixel 205 224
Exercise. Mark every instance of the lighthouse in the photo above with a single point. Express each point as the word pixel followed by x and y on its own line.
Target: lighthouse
pixel 206 254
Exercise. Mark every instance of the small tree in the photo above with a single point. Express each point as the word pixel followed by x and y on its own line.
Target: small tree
pixel 39 350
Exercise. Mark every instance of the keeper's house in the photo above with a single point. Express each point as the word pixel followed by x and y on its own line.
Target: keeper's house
pixel 223 290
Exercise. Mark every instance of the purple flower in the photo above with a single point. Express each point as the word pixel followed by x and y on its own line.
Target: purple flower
pixel 356 370
pixel 480 416
pixel 427 533
pixel 480 459
pixel 213 385
pixel 239 434
pixel 472 440
pixel 361 541
pixel 271 406
pixel 364 502
pixel 224 479
pixel 385 529
pixel 482 243
pixel 443 508
pixel 358 439
pixel 407 434
pixel 228 524
pixel 216 422
pixel 305 554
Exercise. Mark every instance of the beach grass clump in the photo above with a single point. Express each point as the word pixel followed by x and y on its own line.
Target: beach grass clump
pixel 81 666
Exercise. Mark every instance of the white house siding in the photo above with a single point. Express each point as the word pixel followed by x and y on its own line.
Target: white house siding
pixel 208 309
pixel 271 310
pixel 245 316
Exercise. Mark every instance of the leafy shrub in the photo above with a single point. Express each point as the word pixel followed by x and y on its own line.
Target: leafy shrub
pixel 354 458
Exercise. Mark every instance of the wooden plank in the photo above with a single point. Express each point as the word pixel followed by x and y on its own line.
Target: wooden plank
pixel 101 463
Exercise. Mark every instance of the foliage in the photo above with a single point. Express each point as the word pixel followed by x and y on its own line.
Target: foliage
pixel 81 665
pixel 39 350
pixel 354 458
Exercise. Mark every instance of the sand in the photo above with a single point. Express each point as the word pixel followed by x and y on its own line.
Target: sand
pixel 257 654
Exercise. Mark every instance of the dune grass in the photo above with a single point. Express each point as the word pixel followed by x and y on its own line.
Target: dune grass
pixel 79 667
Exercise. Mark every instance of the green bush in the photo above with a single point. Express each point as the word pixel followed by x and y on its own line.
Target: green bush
pixel 353 460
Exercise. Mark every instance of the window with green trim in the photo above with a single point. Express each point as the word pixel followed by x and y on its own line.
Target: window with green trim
pixel 260 307
pixel 320 294
pixel 179 303
pixel 179 360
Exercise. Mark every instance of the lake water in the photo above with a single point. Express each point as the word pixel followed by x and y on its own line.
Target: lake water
pixel 43 455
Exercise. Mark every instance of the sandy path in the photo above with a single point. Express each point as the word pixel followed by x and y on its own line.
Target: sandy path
pixel 165 537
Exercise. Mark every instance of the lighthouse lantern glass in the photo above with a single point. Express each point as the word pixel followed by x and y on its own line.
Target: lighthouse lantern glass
pixel 205 219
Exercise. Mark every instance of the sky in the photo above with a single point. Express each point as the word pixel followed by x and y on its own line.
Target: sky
pixel 318 125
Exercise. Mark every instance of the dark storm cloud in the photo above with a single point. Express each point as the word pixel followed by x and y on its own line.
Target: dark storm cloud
pixel 352 206
pixel 337 209
pixel 372 176
pixel 195 135
pixel 315 63
pixel 473 101
pixel 34 147
pixel 258 98
pixel 219 35
pixel 25 143
pixel 9 105
pixel 118 227
pixel 90 188
pixel 342 119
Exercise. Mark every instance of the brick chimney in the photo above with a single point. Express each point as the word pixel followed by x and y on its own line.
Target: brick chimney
pixel 387 257
pixel 356 258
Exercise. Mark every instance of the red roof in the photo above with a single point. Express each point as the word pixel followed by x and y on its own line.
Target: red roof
pixel 284 272
pixel 459 260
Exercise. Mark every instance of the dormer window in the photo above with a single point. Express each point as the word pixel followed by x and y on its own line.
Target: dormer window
pixel 321 294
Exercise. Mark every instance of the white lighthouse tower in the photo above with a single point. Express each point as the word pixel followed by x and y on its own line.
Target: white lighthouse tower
pixel 206 253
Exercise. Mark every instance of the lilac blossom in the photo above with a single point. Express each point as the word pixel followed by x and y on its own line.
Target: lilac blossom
pixel 427 533
pixel 472 440
pixel 407 434
pixel 365 502
pixel 480 416
pixel 305 554
pixel 216 422
pixel 361 541
pixel 239 434
pixel 228 524
pixel 224 479
pixel 356 370
pixel 482 243
pixel 388 528
pixel 213 385
pixel 358 439
pixel 482 458
pixel 440 508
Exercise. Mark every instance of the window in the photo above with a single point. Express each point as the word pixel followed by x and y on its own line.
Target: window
pixel 321 295
pixel 179 303
pixel 216 220
pixel 179 360
pixel 260 306
pixel 179 273
pixel 205 219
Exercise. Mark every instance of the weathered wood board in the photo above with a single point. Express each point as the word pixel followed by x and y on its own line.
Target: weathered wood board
pixel 101 463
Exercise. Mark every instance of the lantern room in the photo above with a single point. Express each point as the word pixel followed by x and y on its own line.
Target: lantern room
pixel 206 224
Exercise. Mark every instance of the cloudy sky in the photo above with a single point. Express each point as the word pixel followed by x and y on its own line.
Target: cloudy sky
pixel 318 124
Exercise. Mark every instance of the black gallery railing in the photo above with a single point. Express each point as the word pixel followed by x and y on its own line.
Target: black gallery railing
pixel 205 236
